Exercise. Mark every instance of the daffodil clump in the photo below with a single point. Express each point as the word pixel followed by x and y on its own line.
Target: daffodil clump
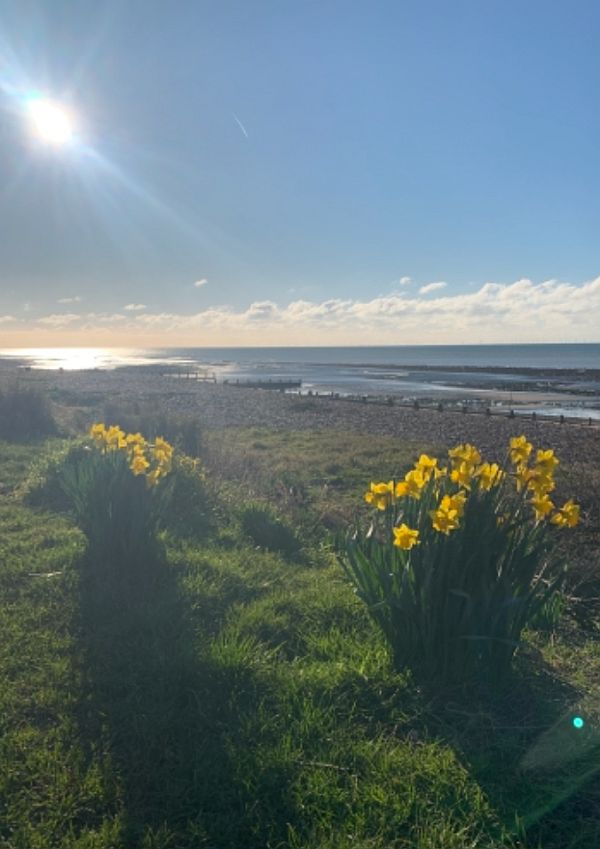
pixel 119 504
pixel 153 460
pixel 457 557
pixel 532 474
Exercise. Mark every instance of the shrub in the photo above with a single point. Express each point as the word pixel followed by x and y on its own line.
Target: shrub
pixel 457 562
pixel 25 414
pixel 117 491
pixel 267 530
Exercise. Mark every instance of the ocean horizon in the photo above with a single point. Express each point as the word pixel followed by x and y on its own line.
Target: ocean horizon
pixel 560 355
pixel 554 378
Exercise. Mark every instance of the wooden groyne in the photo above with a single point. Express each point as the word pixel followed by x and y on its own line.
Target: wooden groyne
pixel 280 385
pixel 458 408
pixel 185 373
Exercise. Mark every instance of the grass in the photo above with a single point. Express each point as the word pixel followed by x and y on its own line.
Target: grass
pixel 251 703
pixel 317 477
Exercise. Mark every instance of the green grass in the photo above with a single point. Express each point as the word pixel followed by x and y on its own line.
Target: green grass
pixel 317 477
pixel 251 703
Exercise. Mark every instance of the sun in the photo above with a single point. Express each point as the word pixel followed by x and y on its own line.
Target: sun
pixel 50 122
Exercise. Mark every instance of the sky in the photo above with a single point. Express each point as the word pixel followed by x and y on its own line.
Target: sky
pixel 275 172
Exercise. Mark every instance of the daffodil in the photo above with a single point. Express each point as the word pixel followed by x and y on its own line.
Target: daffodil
pixel 139 464
pixel 162 449
pixel 380 495
pixel 446 517
pixel 520 449
pixel 405 537
pixel 401 489
pixel 462 474
pixel 455 502
pixel 426 465
pixel 542 505
pixel 489 475
pixel 466 453
pixel 546 461
pixel 135 440
pixel 522 476
pixel 445 521
pixel 115 438
pixel 567 516
pixel 97 432
pixel 539 481
pixel 415 481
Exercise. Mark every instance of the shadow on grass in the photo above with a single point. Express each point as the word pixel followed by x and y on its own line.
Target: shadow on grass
pixel 536 768
pixel 164 720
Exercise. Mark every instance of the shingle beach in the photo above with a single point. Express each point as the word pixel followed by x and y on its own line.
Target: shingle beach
pixel 221 406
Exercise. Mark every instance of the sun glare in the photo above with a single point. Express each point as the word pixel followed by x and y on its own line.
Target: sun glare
pixel 51 123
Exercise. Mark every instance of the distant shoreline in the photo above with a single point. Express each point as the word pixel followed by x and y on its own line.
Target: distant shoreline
pixel 555 391
pixel 242 404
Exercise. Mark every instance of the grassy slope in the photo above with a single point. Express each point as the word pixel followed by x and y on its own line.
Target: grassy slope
pixel 252 704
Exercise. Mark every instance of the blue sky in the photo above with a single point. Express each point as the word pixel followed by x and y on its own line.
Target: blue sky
pixel 318 164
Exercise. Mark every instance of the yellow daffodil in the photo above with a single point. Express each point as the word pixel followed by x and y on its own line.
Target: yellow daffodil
pixel 115 438
pixel 162 448
pixel 462 474
pixel 139 464
pixel 380 495
pixel 489 475
pixel 539 481
pixel 520 449
pixel 546 461
pixel 444 521
pixel 446 517
pixel 426 465
pixel 405 537
pixel 466 453
pixel 567 516
pixel 97 432
pixel 136 448
pixel 401 489
pixel 522 476
pixel 542 505
pixel 415 481
pixel 135 439
pixel 455 502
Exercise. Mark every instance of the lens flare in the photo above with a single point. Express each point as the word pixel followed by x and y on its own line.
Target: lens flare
pixel 51 123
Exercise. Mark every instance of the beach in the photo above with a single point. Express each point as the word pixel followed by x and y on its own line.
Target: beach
pixel 219 406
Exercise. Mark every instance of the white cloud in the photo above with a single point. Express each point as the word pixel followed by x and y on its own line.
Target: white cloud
pixel 200 283
pixel 404 281
pixel 105 317
pixel 523 311
pixel 262 311
pixel 74 300
pixel 432 287
pixel 59 319
pixel 5 319
pixel 134 307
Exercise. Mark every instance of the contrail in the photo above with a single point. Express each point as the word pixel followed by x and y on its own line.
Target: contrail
pixel 240 125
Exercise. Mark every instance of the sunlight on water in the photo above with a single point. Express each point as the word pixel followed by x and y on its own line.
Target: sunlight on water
pixel 71 359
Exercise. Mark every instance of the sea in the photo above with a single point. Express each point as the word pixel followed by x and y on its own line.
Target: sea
pixel 554 378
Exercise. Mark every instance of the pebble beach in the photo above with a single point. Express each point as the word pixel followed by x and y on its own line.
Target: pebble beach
pixel 221 406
